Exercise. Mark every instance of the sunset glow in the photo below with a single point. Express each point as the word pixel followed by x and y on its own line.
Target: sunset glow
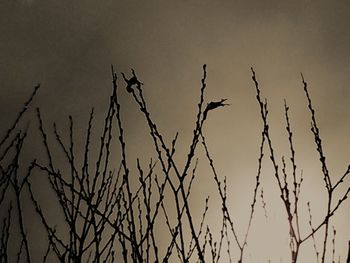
pixel 174 131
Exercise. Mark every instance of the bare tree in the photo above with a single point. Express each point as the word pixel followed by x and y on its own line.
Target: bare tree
pixel 108 216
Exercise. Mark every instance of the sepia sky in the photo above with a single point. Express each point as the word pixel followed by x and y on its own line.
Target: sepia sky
pixel 68 46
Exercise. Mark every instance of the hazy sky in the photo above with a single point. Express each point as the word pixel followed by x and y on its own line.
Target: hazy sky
pixel 68 47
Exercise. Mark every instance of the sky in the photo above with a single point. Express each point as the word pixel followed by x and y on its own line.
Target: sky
pixel 68 47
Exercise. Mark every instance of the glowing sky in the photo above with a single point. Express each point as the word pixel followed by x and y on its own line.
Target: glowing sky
pixel 68 46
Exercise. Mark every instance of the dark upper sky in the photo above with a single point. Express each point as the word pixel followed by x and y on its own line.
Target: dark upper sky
pixel 68 46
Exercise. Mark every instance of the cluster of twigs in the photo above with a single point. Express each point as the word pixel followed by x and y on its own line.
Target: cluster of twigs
pixel 290 194
pixel 12 181
pixel 110 217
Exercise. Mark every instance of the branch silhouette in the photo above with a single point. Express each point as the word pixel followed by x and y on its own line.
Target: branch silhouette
pixel 115 207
